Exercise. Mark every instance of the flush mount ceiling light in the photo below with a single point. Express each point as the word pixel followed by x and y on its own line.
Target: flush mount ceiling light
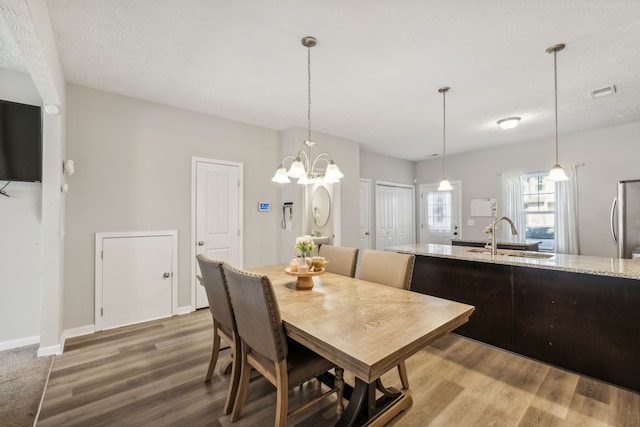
pixel 509 122
pixel 445 185
pixel 302 168
pixel 556 173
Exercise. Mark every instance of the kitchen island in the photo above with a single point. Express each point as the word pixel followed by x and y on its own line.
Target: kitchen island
pixel 575 312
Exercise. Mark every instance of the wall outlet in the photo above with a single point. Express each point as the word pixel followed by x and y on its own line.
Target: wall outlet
pixel 471 222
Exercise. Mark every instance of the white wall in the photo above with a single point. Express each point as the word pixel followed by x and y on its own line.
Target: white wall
pixel 133 172
pixel 609 155
pixel 20 228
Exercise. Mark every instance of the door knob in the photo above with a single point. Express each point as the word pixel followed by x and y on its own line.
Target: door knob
pixel 201 243
pixel 166 275
pixel 367 233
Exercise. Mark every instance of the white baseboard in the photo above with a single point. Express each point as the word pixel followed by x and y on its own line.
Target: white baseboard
pixel 20 342
pixel 51 350
pixel 185 310
pixel 79 331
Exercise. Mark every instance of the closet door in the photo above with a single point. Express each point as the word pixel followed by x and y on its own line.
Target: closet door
pixel 395 215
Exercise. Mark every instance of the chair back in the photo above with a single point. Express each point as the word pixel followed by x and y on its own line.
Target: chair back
pixel 342 260
pixel 257 313
pixel 215 285
pixel 387 268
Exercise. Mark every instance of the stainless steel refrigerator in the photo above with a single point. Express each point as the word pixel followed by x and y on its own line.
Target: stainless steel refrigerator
pixel 625 219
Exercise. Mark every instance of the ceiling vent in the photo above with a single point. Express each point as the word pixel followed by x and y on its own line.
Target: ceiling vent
pixel 605 91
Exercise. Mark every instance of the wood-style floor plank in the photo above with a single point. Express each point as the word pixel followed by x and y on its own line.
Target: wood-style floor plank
pixel 152 374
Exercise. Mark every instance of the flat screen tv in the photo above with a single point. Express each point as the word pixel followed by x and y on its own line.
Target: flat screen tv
pixel 20 142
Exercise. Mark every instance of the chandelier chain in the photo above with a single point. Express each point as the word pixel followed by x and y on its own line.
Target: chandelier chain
pixel 309 93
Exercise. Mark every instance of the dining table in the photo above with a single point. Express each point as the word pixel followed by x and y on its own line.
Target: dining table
pixel 365 328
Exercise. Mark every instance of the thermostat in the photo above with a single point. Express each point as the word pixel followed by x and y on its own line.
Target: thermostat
pixel 264 206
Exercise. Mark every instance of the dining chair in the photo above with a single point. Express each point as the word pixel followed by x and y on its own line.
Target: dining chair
pixel 342 260
pixel 390 269
pixel 265 346
pixel 224 324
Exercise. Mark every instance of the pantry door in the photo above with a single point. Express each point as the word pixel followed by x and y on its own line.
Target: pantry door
pixel 217 205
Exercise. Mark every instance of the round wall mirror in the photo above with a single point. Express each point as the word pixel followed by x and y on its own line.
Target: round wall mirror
pixel 320 206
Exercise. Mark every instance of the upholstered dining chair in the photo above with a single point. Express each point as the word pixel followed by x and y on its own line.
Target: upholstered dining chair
pixel 265 346
pixel 390 269
pixel 342 260
pixel 224 324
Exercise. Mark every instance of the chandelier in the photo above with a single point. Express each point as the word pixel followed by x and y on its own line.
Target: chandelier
pixel 302 168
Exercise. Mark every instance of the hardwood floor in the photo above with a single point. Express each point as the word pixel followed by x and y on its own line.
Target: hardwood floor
pixel 152 374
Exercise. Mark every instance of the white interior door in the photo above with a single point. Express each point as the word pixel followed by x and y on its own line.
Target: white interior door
pixel 405 216
pixel 218 210
pixel 365 215
pixel 439 214
pixel 395 216
pixel 385 217
pixel 135 280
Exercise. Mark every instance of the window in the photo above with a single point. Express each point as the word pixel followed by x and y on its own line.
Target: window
pixel 539 209
pixel 439 210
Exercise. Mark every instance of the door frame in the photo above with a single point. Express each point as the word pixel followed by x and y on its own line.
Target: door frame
pixel 194 179
pixel 100 236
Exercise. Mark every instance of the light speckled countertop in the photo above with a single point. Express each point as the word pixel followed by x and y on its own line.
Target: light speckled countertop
pixel 614 267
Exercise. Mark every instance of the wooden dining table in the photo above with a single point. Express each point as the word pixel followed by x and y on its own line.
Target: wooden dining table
pixel 365 328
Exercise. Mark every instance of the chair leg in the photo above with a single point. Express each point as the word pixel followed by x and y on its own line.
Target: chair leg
pixel 214 353
pixel 235 377
pixel 282 393
pixel 243 385
pixel 404 378
pixel 339 384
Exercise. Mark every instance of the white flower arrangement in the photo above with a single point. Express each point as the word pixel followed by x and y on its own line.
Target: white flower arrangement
pixel 488 229
pixel 305 244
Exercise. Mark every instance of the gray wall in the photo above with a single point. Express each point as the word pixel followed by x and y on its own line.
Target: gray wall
pixel 608 155
pixel 377 167
pixel 20 238
pixel 133 172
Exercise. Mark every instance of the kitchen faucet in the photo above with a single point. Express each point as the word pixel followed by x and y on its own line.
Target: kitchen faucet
pixel 494 245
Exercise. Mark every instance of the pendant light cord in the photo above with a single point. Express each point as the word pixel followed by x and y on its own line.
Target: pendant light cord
pixel 444 134
pixel 555 92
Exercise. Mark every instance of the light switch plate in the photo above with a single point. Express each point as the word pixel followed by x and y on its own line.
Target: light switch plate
pixel 471 222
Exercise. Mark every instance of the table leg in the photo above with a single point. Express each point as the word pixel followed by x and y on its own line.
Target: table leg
pixel 365 409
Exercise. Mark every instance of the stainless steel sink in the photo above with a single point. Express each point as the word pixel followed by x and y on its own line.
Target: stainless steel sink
pixel 518 254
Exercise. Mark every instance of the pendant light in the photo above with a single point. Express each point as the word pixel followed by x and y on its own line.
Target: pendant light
pixel 556 173
pixel 445 185
pixel 302 168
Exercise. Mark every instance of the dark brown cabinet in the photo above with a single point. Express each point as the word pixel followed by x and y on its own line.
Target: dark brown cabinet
pixel 486 286
pixel 582 322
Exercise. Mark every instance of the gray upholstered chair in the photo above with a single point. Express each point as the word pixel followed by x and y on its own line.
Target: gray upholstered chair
pixel 265 346
pixel 390 269
pixel 224 324
pixel 342 260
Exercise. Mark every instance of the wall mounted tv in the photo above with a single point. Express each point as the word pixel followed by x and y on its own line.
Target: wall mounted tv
pixel 20 142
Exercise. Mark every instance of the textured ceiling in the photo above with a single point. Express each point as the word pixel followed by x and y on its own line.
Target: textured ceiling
pixel 375 71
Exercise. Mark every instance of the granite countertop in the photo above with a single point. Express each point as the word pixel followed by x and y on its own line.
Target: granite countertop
pixel 615 267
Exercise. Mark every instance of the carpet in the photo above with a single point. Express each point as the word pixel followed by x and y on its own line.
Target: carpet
pixel 23 376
